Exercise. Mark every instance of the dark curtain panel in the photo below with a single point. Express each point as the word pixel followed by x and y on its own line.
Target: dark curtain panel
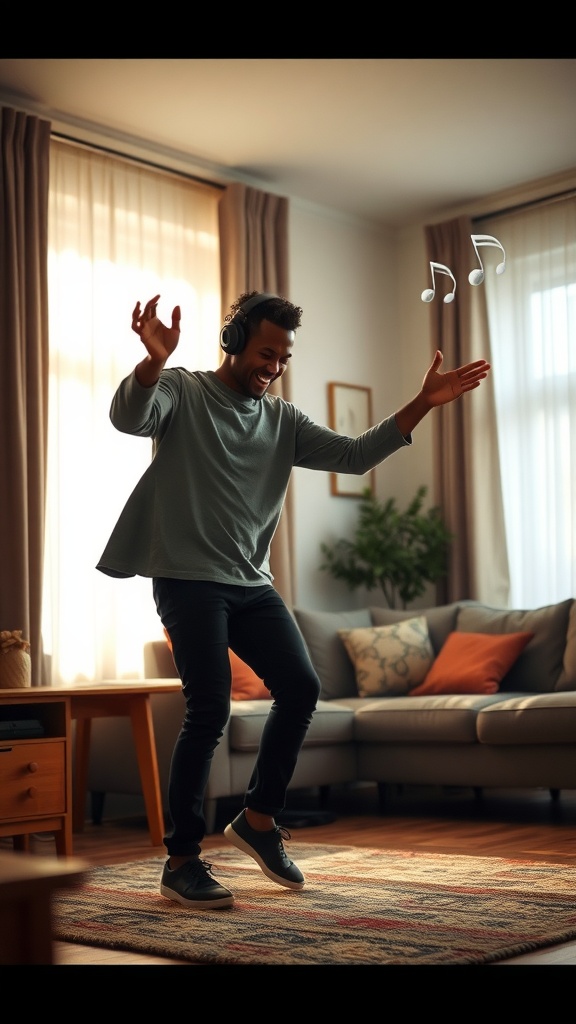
pixel 450 326
pixel 254 256
pixel 466 470
pixel 24 180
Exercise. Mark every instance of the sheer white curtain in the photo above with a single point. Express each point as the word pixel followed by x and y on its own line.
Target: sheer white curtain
pixel 118 233
pixel 532 321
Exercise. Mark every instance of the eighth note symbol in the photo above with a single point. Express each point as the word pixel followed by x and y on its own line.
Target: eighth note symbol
pixel 477 276
pixel 429 293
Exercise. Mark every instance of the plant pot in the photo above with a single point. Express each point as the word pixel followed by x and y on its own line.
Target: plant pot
pixel 15 670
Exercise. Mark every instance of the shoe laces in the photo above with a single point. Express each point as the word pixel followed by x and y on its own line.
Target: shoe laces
pixel 198 867
pixel 282 834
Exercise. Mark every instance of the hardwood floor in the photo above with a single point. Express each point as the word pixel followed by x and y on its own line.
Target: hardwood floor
pixel 525 824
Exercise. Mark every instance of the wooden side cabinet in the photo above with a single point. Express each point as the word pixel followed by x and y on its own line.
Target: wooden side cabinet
pixel 35 767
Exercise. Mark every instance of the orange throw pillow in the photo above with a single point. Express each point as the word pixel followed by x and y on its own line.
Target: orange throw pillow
pixel 473 663
pixel 246 685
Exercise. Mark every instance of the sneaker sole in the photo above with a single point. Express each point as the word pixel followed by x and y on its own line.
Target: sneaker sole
pixel 241 844
pixel 170 894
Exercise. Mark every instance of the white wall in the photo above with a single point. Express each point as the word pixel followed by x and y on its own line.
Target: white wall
pixel 364 323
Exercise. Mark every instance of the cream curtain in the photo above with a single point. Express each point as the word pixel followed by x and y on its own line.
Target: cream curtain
pixel 532 318
pixel 118 232
pixel 24 173
pixel 254 256
pixel 466 470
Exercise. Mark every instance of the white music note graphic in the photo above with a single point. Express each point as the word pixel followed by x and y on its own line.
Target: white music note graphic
pixel 429 293
pixel 477 276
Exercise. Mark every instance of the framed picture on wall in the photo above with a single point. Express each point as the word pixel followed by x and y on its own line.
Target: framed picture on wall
pixel 350 413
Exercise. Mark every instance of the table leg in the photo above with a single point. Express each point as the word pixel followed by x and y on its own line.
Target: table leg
pixel 81 760
pixel 143 730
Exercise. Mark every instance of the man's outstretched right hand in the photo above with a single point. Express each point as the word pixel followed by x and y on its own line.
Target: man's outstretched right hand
pixel 160 341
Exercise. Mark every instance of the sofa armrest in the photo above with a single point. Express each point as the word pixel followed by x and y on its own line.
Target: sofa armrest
pixel 158 661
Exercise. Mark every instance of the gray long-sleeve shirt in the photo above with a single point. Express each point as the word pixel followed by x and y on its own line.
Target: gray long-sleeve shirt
pixel 208 505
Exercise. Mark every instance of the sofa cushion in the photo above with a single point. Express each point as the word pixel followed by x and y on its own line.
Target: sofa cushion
pixel 332 723
pixel 441 620
pixel 473 663
pixel 540 666
pixel 328 654
pixel 527 719
pixel 389 659
pixel 436 719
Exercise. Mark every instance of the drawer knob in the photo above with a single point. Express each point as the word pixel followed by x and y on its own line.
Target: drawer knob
pixel 33 766
pixel 33 791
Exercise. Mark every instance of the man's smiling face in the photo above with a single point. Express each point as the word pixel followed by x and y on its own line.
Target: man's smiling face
pixel 263 360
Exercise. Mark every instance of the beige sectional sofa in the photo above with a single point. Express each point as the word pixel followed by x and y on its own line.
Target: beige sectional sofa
pixel 521 735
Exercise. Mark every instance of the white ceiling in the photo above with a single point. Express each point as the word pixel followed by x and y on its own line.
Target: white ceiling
pixel 391 140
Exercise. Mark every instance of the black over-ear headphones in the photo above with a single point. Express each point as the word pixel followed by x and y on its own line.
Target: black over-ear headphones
pixel 233 334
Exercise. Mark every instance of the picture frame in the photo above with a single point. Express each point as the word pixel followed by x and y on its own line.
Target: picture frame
pixel 350 413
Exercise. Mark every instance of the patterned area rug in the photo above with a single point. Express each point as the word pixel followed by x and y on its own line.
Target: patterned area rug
pixel 359 906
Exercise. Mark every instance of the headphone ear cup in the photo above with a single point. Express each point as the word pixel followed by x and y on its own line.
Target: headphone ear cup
pixel 233 335
pixel 232 338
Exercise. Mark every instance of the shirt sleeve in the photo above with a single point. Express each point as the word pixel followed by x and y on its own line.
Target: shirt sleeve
pixel 142 411
pixel 319 447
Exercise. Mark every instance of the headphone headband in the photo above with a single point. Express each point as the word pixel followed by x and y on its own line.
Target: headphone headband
pixel 256 300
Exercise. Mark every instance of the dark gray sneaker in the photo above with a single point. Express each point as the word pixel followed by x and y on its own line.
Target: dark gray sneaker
pixel 267 849
pixel 194 887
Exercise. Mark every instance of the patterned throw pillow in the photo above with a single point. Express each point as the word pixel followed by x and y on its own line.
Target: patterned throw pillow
pixel 389 660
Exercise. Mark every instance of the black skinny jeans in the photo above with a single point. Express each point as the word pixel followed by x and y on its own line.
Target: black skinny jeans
pixel 204 619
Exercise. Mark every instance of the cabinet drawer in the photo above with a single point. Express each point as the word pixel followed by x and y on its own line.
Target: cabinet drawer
pixel 32 778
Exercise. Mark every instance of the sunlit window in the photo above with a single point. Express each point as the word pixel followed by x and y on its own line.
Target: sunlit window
pixel 554 309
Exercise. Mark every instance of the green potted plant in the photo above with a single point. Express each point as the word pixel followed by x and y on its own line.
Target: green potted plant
pixel 398 551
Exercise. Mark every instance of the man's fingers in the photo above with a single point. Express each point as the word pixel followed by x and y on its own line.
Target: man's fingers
pixel 478 364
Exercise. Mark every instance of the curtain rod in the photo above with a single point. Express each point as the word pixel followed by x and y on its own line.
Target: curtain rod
pixel 208 183
pixel 544 201
pixel 61 137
